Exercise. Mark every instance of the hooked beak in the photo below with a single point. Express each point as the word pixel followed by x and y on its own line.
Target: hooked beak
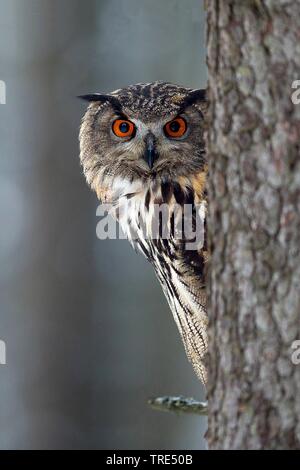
pixel 150 154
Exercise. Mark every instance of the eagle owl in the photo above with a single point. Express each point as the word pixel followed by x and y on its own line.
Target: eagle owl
pixel 142 148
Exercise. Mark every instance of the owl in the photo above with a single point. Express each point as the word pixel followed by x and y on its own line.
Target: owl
pixel 142 151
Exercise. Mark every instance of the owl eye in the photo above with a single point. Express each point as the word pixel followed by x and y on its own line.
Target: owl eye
pixel 175 128
pixel 123 128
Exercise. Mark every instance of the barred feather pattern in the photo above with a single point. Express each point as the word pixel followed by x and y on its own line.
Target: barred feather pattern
pixel 180 271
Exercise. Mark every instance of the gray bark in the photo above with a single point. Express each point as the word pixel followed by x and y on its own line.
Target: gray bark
pixel 254 224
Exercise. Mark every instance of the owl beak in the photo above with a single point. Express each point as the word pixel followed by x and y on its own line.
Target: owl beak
pixel 150 154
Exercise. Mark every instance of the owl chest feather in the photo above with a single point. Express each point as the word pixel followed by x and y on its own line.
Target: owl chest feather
pixel 149 218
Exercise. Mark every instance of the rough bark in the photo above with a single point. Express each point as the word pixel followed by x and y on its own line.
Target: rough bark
pixel 254 224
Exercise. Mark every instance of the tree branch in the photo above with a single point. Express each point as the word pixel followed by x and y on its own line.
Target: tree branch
pixel 178 405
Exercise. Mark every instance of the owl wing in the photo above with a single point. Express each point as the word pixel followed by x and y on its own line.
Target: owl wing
pixel 182 274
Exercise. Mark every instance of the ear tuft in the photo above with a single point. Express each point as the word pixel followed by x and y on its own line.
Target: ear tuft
pixel 98 97
pixel 93 97
pixel 197 95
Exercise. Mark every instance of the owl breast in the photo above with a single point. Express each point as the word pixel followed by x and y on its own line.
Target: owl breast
pixel 153 216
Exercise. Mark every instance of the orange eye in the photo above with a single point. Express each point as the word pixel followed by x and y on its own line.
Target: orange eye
pixel 175 128
pixel 123 128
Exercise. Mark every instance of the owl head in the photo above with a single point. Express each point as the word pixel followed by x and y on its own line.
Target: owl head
pixel 140 135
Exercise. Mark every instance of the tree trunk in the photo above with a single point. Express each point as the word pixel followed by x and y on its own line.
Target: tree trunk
pixel 254 224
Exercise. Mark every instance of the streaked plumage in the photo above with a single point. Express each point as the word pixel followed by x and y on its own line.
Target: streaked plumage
pixel 118 171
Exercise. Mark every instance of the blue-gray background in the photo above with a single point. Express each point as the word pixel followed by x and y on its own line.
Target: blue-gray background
pixel 89 334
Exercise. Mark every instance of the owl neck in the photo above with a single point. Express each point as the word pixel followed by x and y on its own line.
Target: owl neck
pixel 182 190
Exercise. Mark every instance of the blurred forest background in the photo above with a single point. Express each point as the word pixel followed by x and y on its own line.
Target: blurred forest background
pixel 89 334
